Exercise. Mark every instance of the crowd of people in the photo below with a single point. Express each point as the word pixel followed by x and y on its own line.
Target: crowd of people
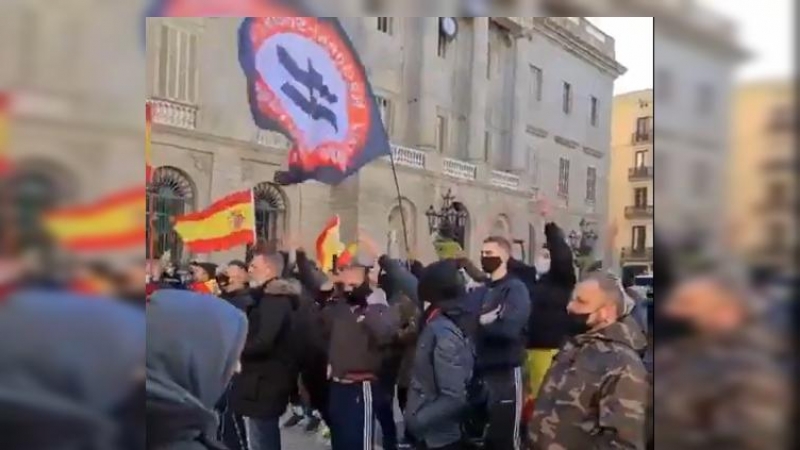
pixel 498 355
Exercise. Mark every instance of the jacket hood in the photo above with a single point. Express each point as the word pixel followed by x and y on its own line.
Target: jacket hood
pixel 625 332
pixel 74 358
pixel 193 342
pixel 283 286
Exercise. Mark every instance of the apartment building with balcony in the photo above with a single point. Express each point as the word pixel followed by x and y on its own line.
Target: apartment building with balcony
pixel 631 179
pixel 762 184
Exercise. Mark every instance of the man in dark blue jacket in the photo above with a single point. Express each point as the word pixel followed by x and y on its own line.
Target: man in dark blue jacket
pixel 503 306
pixel 443 364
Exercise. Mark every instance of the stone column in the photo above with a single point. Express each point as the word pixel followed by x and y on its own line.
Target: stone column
pixel 477 102
pixel 519 152
pixel 423 104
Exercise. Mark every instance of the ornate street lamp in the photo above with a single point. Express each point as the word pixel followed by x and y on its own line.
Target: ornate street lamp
pixel 449 220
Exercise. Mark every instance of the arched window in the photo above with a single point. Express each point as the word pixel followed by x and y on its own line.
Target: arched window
pixel 35 188
pixel 396 226
pixel 171 194
pixel 270 204
pixel 461 229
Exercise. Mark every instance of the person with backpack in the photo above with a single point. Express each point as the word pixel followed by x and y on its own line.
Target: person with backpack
pixel 261 391
pixel 443 364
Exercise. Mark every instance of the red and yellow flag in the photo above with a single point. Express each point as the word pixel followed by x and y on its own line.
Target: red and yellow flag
pixel 112 223
pixel 347 256
pixel 329 244
pixel 5 113
pixel 229 222
pixel 148 167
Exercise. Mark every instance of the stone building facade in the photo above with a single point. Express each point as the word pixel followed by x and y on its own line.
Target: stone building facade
pixel 510 112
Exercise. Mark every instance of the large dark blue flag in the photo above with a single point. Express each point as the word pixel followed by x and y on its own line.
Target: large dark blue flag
pixel 305 80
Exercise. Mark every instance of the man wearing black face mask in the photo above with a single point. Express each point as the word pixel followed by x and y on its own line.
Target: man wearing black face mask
pixel 503 307
pixel 595 393
pixel 360 325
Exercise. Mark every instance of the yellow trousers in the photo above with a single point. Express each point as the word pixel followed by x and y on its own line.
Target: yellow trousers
pixel 537 363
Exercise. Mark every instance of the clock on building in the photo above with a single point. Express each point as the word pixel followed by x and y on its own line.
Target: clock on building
pixel 448 26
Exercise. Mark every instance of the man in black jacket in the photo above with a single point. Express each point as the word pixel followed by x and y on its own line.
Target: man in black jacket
pixel 548 326
pixel 269 361
pixel 237 292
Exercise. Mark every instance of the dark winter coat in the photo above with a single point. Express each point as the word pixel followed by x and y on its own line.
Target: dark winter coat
pixel 501 344
pixel 400 286
pixel 270 357
pixel 193 344
pixel 548 326
pixel 239 298
pixel 443 366
pixel 358 336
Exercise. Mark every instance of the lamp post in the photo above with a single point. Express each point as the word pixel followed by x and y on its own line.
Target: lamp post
pixel 449 221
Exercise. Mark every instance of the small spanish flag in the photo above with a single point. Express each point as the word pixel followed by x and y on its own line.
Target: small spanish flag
pixel 347 257
pixel 229 222
pixel 148 167
pixel 112 223
pixel 5 113
pixel 329 244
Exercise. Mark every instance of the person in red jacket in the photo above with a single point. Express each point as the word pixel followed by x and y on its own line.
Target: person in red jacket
pixel 204 275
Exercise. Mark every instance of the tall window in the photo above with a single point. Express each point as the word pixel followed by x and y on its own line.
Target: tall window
pixel 593 113
pixel 536 83
pixel 385 107
pixel 535 169
pixel 489 61
pixel 172 195
pixel 270 205
pixel 639 238
pixel 640 197
pixel 563 177
pixel 177 71
pixel 487 146
pixel 591 184
pixel 644 127
pixel 567 98
pixel 441 133
pixel 385 25
pixel 640 159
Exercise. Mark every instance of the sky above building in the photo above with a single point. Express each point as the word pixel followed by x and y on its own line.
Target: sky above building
pixel 764 29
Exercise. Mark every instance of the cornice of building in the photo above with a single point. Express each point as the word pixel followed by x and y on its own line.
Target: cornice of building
pixel 579 47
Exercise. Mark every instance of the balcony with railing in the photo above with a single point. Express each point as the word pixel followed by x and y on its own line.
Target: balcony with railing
pixel 640 254
pixel 172 113
pixel 459 169
pixel 504 180
pixel 639 212
pixel 408 157
pixel 640 173
pixel 645 137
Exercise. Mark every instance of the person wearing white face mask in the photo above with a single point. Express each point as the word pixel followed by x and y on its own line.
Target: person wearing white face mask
pixel 548 324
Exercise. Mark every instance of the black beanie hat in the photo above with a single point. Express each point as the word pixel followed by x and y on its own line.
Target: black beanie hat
pixel 440 282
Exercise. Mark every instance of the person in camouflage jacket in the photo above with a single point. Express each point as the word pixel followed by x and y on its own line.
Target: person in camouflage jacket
pixel 595 394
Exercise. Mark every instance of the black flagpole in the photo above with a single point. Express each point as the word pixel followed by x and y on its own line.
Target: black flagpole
pixel 399 202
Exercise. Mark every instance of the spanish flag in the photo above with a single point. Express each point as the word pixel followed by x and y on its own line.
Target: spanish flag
pixel 113 223
pixel 329 244
pixel 5 113
pixel 229 222
pixel 348 256
pixel 148 167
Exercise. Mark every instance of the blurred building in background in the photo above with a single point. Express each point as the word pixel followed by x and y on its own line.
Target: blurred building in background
pixel 502 112
pixel 761 184
pixel 630 180
pixel 696 54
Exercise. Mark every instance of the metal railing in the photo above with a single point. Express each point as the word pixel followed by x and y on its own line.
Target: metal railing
pixel 504 180
pixel 172 113
pixel 637 253
pixel 640 173
pixel 639 211
pixel 409 157
pixel 459 169
pixel 641 138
